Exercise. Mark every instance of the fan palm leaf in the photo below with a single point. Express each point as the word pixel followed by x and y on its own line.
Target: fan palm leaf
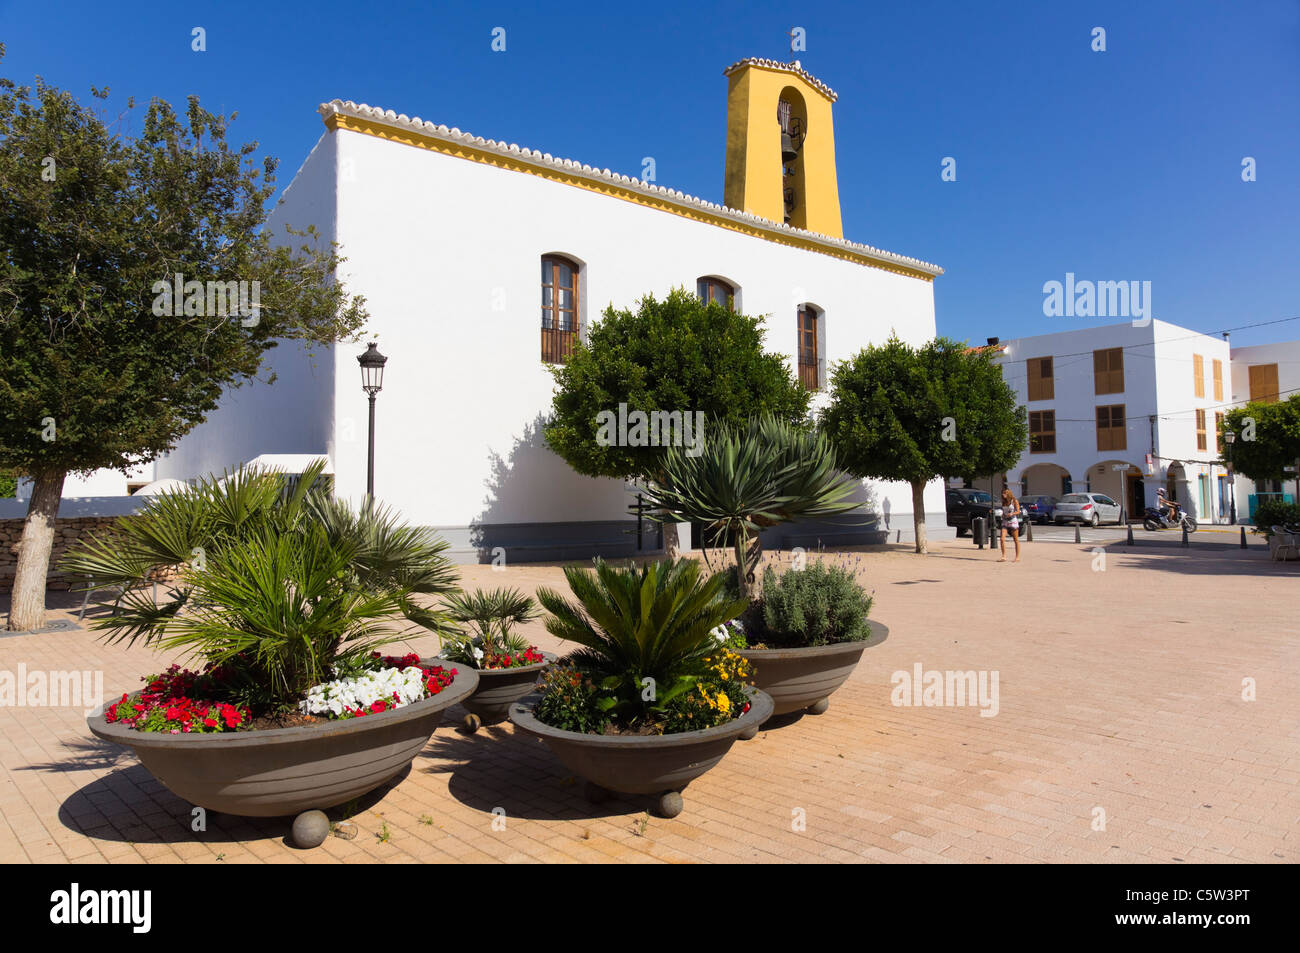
pixel 633 624
pixel 748 479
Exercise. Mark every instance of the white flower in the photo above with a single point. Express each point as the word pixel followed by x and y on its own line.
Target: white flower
pixel 720 633
pixel 396 686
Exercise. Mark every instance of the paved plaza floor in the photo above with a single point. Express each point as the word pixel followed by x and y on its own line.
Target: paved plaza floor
pixel 1147 709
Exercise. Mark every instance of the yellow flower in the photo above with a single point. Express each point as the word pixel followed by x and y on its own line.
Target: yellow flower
pixel 724 703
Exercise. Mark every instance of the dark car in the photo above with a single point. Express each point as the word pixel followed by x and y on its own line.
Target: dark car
pixel 964 505
pixel 1039 509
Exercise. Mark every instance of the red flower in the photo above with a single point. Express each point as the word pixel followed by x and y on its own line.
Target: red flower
pixel 377 707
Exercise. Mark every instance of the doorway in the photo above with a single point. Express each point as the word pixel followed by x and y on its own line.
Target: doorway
pixel 1137 494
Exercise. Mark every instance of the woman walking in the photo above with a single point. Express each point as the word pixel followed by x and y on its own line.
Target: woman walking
pixel 1010 524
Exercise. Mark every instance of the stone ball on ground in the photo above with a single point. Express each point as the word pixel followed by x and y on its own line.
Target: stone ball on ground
pixel 310 828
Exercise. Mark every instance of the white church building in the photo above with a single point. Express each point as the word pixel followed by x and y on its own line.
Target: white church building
pixel 482 261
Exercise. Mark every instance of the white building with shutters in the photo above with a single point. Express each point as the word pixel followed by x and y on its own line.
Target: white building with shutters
pixel 1122 409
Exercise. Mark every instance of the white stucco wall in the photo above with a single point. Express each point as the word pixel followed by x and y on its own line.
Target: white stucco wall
pixel 98 483
pixel 1285 354
pixel 295 413
pixel 447 253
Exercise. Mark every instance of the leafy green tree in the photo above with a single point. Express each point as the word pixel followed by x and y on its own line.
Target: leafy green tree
pixel 1267 439
pixel 915 414
pixel 675 355
pixel 100 367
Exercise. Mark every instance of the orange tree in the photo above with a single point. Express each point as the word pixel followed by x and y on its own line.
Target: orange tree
pixel 916 414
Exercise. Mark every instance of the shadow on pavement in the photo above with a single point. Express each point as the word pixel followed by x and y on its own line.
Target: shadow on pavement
pixel 129 805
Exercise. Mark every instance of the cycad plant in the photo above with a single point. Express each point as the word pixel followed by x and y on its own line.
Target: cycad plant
pixel 748 479
pixel 489 616
pixel 276 585
pixel 645 634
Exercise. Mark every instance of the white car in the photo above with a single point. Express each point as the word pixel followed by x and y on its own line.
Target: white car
pixel 1090 508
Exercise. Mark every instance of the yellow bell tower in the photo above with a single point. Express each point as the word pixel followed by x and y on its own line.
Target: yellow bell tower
pixel 781 146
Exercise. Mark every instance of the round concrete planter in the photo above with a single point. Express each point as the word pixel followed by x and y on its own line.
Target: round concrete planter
pixel 498 689
pixel 284 771
pixel 805 678
pixel 642 764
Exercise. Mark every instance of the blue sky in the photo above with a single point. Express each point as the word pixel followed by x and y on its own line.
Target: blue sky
pixel 1115 165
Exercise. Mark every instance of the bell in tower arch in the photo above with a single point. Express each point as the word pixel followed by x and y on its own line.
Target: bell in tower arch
pixel 784 116
pixel 788 151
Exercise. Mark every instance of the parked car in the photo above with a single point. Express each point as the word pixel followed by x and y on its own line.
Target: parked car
pixel 1090 508
pixel 964 505
pixel 1039 509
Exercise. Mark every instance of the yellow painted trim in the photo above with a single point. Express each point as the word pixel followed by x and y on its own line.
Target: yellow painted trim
pixel 381 130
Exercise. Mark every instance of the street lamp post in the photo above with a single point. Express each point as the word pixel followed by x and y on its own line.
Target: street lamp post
pixel 372 382
pixel 1229 438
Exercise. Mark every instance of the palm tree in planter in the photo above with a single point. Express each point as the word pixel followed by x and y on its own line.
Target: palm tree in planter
pixel 508 664
pixel 285 597
pixel 745 481
pixel 651 698
pixel 748 479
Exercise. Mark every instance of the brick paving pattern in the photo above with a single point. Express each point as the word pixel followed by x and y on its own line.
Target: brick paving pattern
pixel 1120 691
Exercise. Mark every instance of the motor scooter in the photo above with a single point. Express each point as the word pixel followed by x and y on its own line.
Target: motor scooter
pixel 1153 520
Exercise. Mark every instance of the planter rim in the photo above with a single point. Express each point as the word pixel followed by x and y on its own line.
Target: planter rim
pixel 551 659
pixel 760 709
pixel 879 632
pixel 464 683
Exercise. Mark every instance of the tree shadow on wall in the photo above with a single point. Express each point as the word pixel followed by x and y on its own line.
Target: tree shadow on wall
pixel 512 481
pixel 538 508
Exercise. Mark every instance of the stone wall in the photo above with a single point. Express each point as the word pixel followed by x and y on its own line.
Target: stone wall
pixel 67 531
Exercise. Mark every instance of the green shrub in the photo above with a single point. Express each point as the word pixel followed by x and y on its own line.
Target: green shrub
pixel 818 605
pixel 570 701
pixel 8 485
pixel 1274 512
pixel 646 636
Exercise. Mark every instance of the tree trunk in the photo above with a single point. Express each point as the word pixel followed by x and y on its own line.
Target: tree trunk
pixel 742 551
pixel 918 515
pixel 672 545
pixel 27 610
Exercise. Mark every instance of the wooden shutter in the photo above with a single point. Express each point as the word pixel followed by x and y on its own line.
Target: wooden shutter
pixel 1111 428
pixel 1263 383
pixel 1039 374
pixel 1108 371
pixel 1218 380
pixel 1198 375
pixel 1042 431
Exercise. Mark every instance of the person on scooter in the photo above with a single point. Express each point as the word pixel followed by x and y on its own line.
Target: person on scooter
pixel 1166 507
